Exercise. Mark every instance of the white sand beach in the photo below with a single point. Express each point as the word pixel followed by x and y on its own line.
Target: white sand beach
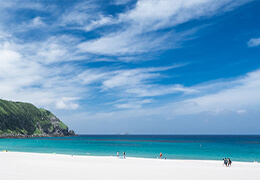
pixel 31 166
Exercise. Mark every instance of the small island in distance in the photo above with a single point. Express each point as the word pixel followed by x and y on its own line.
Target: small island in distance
pixel 19 119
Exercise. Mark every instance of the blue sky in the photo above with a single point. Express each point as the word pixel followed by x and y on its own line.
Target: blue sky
pixel 146 66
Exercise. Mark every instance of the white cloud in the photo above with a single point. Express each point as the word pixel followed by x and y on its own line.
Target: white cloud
pixel 241 111
pixel 73 17
pixel 22 79
pixel 90 76
pixel 15 71
pixel 131 103
pixel 53 49
pixel 158 90
pixel 134 31
pixel 132 42
pixel 139 82
pixel 80 15
pixel 138 33
pixel 50 50
pixel 157 14
pixel 239 98
pixel 37 22
pixel 124 78
pixel 67 103
pixel 29 70
pixel 26 76
pixel 32 24
pixel 9 10
pixel 243 93
pixel 121 2
pixel 22 5
pixel 102 21
pixel 254 42
pixel 4 35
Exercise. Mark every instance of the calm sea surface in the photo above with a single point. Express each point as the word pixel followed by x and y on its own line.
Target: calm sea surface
pixel 238 148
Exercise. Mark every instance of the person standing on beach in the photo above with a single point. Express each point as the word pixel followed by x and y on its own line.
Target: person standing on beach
pixel 225 162
pixel 229 162
pixel 160 155
pixel 124 155
pixel 117 153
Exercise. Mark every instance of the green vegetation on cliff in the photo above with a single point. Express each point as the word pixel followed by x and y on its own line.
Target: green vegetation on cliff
pixel 26 119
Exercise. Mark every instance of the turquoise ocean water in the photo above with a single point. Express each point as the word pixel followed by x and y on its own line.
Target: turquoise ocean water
pixel 238 148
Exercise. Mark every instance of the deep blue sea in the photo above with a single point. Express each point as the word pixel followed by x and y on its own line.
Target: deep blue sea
pixel 210 147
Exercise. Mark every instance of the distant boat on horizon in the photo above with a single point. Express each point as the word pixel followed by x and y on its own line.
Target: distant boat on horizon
pixel 126 133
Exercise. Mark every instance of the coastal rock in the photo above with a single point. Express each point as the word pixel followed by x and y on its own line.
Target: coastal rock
pixel 71 133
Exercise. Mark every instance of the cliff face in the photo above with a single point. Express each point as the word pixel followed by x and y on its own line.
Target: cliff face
pixel 18 118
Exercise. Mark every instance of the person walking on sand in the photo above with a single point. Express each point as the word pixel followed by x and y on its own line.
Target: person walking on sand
pixel 225 162
pixel 117 153
pixel 160 155
pixel 124 155
pixel 229 162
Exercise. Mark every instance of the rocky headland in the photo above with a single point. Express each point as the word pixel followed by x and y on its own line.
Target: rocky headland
pixel 24 120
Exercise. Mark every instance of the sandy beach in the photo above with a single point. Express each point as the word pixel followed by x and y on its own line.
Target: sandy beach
pixel 31 166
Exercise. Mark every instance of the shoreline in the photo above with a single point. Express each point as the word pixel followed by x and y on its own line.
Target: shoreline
pixel 127 157
pixel 29 166
pixel 115 157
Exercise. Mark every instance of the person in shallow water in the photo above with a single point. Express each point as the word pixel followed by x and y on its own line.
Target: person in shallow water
pixel 124 155
pixel 160 155
pixel 117 153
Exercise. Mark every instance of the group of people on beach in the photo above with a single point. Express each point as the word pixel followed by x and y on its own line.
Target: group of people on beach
pixel 227 162
pixel 117 154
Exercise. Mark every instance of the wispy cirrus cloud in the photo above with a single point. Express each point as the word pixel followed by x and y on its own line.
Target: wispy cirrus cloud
pixel 140 25
pixel 239 93
pixel 91 57
pixel 132 82
pixel 34 69
pixel 131 42
pixel 79 15
pixel 35 23
pixel 133 103
pixel 23 5
pixel 239 97
pixel 147 27
pixel 45 57
pixel 121 2
pixel 30 70
pixel 54 49
pixel 51 50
